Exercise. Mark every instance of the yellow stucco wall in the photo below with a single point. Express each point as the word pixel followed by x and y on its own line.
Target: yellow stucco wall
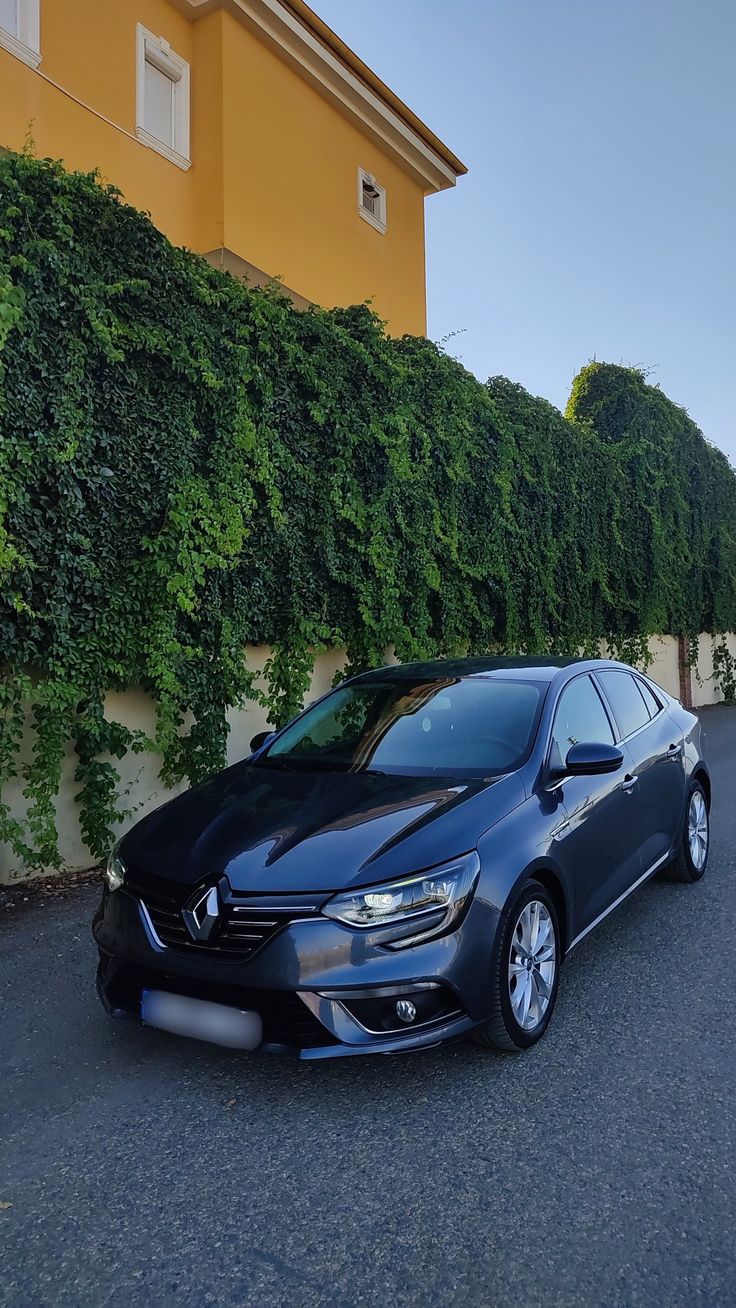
pixel 93 58
pixel 274 163
pixel 291 191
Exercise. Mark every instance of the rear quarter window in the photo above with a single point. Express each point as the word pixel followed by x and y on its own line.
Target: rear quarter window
pixel 650 699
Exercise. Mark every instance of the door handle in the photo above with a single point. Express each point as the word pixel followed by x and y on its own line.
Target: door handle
pixel 674 751
pixel 628 784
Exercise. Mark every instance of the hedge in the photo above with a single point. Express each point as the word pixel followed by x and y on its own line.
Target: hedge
pixel 188 464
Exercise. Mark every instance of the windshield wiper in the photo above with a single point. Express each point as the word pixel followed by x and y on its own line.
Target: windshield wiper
pixel 291 761
pixel 286 761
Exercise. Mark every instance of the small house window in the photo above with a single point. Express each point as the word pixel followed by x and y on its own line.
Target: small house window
pixel 371 200
pixel 19 30
pixel 162 119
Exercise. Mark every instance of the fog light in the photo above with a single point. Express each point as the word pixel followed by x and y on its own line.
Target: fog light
pixel 405 1010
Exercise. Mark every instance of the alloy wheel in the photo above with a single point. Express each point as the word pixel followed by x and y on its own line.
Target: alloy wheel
pixel 532 964
pixel 697 829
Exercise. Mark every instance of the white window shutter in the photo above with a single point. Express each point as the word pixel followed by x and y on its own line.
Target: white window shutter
pixel 159 104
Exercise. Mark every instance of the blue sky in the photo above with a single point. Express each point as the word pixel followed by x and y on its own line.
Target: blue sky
pixel 599 215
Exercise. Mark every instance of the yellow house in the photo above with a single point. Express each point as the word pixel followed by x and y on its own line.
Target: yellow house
pixel 246 128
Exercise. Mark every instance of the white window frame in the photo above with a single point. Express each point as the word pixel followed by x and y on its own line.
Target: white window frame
pixel 26 46
pixel 379 220
pixel 157 51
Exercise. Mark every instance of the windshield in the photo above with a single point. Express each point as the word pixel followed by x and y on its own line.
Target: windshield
pixel 471 726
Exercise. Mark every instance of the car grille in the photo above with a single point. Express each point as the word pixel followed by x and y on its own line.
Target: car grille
pixel 244 926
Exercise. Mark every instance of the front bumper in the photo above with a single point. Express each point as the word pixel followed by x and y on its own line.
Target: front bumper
pixel 323 990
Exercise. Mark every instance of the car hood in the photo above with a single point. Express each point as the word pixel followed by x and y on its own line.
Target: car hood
pixel 277 831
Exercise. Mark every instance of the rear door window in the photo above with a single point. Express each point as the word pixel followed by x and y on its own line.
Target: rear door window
pixel 622 692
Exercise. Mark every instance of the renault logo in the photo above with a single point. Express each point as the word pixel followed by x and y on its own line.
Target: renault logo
pixel 202 913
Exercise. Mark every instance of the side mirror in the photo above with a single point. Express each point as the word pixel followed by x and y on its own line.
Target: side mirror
pixel 590 759
pixel 259 740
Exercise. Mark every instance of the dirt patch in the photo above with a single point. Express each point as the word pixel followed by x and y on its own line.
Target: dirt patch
pixel 45 890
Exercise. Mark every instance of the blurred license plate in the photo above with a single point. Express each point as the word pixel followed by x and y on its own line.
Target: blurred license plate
pixel 201 1019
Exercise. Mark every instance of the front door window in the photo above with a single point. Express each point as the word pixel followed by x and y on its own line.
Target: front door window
pixel 580 717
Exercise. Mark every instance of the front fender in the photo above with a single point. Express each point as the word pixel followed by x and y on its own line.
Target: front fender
pixel 525 842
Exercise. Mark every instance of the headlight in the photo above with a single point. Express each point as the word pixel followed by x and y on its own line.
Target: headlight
pixel 115 871
pixel 419 906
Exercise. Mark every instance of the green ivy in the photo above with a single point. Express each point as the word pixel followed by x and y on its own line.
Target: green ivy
pixel 188 465
pixel 724 671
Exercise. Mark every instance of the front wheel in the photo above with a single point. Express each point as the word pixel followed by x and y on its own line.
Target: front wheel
pixel 691 856
pixel 526 973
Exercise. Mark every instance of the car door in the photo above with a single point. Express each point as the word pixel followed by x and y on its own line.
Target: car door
pixel 600 838
pixel 656 748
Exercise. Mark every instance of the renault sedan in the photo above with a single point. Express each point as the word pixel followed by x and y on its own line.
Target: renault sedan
pixel 407 862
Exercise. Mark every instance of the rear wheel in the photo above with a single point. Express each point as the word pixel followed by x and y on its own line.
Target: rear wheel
pixel 691 857
pixel 526 973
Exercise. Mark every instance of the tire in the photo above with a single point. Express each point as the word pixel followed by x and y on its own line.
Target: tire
pixel 687 866
pixel 504 1030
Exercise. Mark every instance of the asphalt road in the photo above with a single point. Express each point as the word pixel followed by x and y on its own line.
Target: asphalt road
pixel 599 1169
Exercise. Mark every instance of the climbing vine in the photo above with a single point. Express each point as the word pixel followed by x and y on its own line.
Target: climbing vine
pixel 189 465
pixel 724 671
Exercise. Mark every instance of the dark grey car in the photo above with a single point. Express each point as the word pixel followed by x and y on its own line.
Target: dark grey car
pixel 408 861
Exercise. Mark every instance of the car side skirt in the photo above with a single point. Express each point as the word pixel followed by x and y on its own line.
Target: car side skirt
pixel 660 862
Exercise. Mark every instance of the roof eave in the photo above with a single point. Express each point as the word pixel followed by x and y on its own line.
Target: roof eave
pixel 300 37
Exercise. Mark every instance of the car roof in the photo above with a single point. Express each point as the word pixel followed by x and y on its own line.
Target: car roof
pixel 530 667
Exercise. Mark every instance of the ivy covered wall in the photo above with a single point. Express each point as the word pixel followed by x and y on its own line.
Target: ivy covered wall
pixel 188 465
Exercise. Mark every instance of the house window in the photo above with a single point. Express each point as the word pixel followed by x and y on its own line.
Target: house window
pixel 162 116
pixel 371 200
pixel 19 30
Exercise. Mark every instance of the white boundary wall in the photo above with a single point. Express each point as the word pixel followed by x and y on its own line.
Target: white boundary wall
pixel 139 773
